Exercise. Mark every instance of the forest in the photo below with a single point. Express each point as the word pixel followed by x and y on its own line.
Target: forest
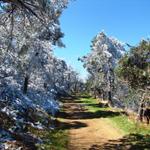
pixel 46 105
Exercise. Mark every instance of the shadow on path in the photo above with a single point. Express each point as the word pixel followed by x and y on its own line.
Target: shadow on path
pixel 128 142
pixel 73 114
pixel 70 125
pixel 88 115
pixel 76 110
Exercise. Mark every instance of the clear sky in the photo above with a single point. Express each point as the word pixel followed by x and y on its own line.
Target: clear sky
pixel 127 20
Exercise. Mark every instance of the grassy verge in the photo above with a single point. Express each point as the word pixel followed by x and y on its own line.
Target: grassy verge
pixel 129 126
pixel 56 139
pixel 52 139
pixel 120 121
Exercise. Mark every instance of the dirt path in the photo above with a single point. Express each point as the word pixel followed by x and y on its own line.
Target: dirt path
pixel 87 131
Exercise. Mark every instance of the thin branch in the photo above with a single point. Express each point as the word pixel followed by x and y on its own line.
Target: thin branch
pixel 29 9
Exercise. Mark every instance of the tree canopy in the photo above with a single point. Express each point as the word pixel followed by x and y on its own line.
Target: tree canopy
pixel 134 67
pixel 101 61
pixel 37 19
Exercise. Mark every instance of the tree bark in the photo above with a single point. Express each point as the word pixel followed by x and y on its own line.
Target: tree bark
pixel 95 93
pixel 25 86
pixel 141 109
pixel 110 99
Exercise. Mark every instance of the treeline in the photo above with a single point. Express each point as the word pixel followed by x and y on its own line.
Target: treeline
pixel 118 75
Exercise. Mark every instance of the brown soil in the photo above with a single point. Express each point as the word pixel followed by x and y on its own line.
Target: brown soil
pixel 87 131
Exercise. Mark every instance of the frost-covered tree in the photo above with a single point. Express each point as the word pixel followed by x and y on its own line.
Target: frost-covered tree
pixel 26 27
pixel 100 63
pixel 37 16
pixel 31 77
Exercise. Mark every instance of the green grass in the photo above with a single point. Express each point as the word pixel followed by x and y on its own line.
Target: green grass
pixel 52 139
pixel 120 121
pixel 129 126
pixel 134 135
pixel 58 139
pixel 90 104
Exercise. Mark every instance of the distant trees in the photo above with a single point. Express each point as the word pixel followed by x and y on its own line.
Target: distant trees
pixel 100 63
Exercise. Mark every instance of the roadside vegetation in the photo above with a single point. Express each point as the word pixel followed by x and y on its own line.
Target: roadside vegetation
pixel 122 121
pixel 52 139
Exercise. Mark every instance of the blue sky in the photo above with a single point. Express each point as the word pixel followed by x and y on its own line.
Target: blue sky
pixel 127 20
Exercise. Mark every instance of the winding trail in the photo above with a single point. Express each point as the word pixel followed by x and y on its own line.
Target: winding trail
pixel 87 131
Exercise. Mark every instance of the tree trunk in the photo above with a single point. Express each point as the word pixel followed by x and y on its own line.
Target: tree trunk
pixel 95 93
pixel 103 97
pixel 25 86
pixel 110 99
pixel 141 109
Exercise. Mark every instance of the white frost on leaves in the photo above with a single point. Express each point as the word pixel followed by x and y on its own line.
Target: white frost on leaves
pixel 102 60
pixel 28 54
